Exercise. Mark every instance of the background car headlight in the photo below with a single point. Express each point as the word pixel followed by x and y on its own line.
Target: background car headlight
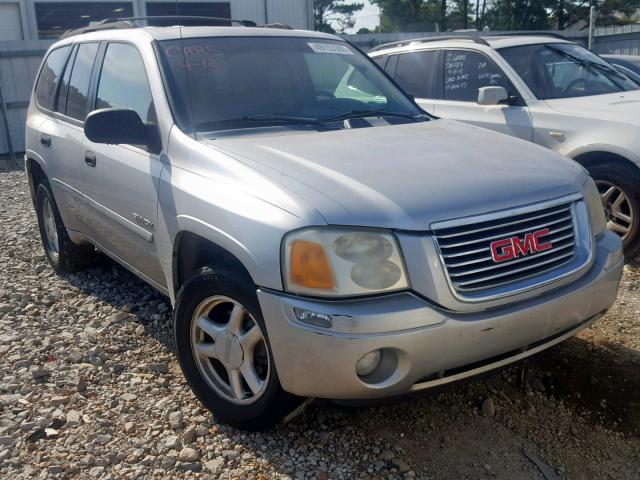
pixel 339 262
pixel 592 198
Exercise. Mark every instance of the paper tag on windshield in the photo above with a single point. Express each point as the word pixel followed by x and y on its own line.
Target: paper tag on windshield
pixel 329 48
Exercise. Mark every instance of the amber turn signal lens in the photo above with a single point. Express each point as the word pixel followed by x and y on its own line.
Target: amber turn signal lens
pixel 309 266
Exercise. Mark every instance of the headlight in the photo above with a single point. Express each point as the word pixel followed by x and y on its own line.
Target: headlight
pixel 594 204
pixel 338 262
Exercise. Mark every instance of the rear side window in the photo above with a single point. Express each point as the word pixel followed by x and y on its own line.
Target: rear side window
pixel 78 89
pixel 465 72
pixel 417 73
pixel 123 82
pixel 49 75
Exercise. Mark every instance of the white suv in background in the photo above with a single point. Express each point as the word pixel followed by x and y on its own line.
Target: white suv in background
pixel 542 89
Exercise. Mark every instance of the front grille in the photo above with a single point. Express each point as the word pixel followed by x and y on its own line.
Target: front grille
pixel 466 249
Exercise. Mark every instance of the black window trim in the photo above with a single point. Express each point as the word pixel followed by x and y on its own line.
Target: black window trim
pixel 61 87
pixel 91 80
pixel 518 102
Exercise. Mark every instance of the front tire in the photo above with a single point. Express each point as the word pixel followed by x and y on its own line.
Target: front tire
pixel 619 188
pixel 62 253
pixel 224 351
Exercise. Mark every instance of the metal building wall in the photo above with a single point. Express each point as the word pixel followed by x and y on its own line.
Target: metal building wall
pixel 19 62
pixel 618 40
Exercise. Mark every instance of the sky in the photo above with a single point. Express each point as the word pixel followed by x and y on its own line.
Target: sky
pixel 368 17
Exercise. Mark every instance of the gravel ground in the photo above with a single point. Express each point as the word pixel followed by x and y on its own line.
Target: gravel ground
pixel 90 388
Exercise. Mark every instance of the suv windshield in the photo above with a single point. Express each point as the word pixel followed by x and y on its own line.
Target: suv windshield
pixel 219 83
pixel 565 70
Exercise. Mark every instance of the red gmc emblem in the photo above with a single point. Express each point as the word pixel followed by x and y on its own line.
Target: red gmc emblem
pixel 514 247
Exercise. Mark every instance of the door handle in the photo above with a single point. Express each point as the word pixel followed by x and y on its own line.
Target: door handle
pixel 45 140
pixel 90 159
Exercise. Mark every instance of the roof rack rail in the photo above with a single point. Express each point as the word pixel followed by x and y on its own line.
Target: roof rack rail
pixel 129 22
pixel 535 33
pixel 400 43
pixel 281 26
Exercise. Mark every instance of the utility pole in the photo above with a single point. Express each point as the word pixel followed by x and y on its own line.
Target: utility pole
pixel 465 13
pixel 592 25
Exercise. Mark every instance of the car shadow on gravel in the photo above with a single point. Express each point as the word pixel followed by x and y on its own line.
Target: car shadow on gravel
pixel 600 380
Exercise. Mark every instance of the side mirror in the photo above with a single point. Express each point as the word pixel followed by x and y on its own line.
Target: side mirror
pixel 120 125
pixel 492 95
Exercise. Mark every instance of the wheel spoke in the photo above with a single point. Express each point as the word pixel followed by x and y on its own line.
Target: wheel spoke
pixel 235 382
pixel 235 319
pixel 210 328
pixel 616 227
pixel 619 201
pixel 251 377
pixel 206 349
pixel 621 216
pixel 251 338
pixel 607 195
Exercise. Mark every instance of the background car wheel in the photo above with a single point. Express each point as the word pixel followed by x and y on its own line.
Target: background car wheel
pixel 62 253
pixel 224 351
pixel 619 188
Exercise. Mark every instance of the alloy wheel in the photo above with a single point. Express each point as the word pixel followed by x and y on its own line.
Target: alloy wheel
pixel 618 208
pixel 50 229
pixel 230 350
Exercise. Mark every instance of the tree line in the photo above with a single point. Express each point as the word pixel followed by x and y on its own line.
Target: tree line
pixel 448 15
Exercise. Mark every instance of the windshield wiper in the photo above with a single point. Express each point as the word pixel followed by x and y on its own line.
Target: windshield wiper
pixel 282 118
pixel 274 119
pixel 321 122
pixel 588 64
pixel 373 113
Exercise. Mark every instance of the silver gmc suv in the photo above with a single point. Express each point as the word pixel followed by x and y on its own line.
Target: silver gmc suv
pixel 317 232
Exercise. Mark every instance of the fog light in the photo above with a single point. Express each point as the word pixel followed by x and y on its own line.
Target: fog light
pixel 367 364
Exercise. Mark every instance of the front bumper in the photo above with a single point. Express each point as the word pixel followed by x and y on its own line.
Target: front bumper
pixel 426 346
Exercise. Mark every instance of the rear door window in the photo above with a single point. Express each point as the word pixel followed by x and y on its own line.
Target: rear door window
pixel 78 89
pixel 417 73
pixel 47 85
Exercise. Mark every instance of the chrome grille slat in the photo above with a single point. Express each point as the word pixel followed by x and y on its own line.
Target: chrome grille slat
pixel 508 282
pixel 518 270
pixel 466 248
pixel 512 262
pixel 548 238
pixel 511 233
pixel 515 222
pixel 470 252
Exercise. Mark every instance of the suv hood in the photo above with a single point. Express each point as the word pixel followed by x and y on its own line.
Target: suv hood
pixel 407 176
pixel 616 107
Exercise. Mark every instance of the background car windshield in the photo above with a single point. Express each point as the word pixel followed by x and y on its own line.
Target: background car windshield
pixel 565 70
pixel 222 80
